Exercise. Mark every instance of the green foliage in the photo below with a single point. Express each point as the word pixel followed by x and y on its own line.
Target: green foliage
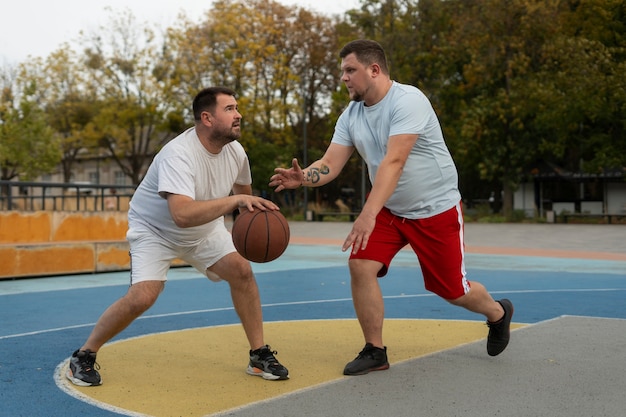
pixel 509 88
pixel 281 61
pixel 28 145
pixel 123 70
pixel 513 82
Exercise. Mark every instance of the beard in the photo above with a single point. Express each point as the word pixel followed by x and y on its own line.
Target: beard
pixel 356 95
pixel 226 134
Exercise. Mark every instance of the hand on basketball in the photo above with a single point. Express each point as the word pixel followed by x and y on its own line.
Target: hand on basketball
pixel 287 178
pixel 251 203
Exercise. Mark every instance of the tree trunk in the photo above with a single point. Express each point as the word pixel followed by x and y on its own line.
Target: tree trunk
pixel 507 199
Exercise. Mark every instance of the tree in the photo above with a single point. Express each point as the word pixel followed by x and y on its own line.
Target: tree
pixel 67 100
pixel 589 63
pixel 508 88
pixel 123 69
pixel 28 146
pixel 280 60
pixel 497 46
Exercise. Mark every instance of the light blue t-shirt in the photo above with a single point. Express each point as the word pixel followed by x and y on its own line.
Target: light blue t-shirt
pixel 429 183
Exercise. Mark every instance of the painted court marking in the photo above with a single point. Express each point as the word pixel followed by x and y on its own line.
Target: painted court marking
pixel 305 303
pixel 169 364
pixel 324 301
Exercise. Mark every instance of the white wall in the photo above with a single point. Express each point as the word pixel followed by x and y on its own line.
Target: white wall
pixel 616 198
pixel 524 199
pixel 559 208
pixel 591 207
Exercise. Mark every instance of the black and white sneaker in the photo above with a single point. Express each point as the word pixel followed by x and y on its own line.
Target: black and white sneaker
pixel 264 364
pixel 83 369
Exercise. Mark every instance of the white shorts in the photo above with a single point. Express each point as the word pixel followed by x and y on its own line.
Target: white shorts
pixel 151 256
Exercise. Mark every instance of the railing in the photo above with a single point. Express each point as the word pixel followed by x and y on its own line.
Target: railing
pixel 34 196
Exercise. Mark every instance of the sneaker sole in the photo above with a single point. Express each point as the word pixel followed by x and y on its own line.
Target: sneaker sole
pixel 367 371
pixel 79 382
pixel 265 375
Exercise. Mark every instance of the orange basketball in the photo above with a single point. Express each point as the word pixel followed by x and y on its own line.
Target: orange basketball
pixel 260 236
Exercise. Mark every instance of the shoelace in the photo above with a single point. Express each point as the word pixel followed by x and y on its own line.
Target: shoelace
pixel 367 353
pixel 268 355
pixel 88 363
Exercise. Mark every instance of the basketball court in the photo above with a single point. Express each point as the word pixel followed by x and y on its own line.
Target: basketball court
pixel 187 355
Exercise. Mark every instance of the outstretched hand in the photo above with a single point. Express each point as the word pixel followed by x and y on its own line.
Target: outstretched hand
pixel 287 178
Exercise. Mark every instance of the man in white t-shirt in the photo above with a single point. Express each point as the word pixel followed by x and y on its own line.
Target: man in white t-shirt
pixel 177 212
pixel 414 200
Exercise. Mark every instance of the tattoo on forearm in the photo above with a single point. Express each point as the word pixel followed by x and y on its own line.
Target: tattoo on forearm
pixel 314 175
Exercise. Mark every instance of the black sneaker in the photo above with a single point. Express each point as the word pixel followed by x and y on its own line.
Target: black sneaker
pixel 371 358
pixel 83 369
pixel 499 332
pixel 264 364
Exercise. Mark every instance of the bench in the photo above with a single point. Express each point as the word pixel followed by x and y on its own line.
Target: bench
pixel 608 217
pixel 319 216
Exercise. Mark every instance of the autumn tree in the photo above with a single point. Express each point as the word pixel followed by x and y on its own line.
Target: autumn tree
pixel 280 60
pixel 68 102
pixel 122 67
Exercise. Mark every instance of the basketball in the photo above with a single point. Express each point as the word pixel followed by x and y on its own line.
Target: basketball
pixel 260 236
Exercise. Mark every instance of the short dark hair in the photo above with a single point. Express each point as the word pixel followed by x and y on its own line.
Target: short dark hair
pixel 206 100
pixel 367 52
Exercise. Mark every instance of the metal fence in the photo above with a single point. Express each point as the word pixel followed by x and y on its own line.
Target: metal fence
pixel 35 196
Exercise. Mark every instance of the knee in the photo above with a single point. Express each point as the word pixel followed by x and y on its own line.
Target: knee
pixel 466 300
pixel 145 302
pixel 141 298
pixel 240 274
pixel 355 266
pixel 364 268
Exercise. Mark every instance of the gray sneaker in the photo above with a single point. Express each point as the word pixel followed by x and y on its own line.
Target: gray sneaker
pixel 371 358
pixel 83 369
pixel 263 363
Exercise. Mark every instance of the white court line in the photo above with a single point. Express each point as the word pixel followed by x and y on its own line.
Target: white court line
pixel 292 303
pixel 64 385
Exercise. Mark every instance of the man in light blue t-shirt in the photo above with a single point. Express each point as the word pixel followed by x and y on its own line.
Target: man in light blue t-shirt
pixel 414 200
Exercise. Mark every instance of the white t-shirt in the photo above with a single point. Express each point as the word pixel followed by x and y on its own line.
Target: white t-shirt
pixel 429 183
pixel 185 167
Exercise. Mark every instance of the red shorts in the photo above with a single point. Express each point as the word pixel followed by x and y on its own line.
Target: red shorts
pixel 437 241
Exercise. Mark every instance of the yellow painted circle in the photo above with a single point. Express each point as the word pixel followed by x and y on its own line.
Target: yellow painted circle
pixel 199 372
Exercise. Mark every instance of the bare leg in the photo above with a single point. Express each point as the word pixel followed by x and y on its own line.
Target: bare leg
pixel 119 315
pixel 368 299
pixel 478 300
pixel 245 294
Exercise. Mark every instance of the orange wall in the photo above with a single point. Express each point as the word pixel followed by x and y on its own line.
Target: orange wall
pixel 50 227
pixel 51 243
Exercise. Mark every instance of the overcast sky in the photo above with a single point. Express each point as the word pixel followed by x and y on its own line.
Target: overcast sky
pixel 36 27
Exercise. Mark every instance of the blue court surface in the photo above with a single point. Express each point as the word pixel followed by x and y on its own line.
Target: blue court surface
pixel 44 320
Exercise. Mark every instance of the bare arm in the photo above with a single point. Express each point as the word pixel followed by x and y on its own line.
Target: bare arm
pixel 242 189
pixel 319 173
pixel 188 212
